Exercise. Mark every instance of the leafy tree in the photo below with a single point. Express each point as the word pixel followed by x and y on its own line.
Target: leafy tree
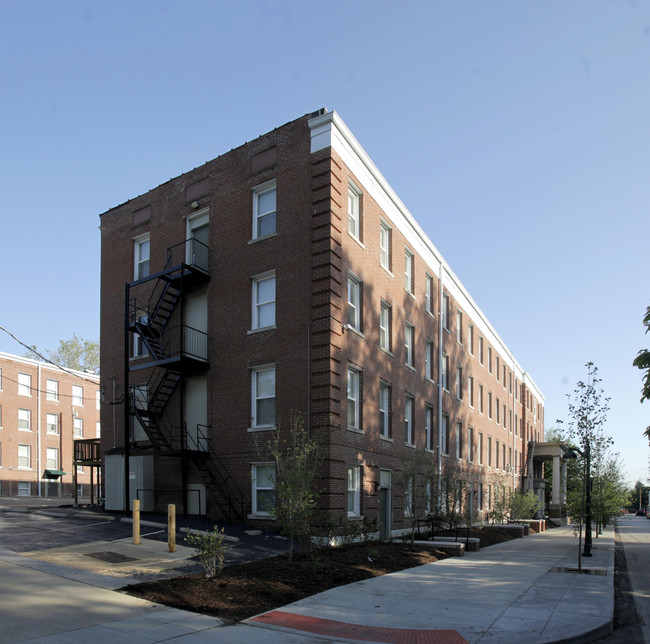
pixel 75 353
pixel 642 361
pixel 297 458
pixel 419 479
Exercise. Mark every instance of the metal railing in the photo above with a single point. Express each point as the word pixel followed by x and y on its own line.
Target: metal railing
pixel 190 252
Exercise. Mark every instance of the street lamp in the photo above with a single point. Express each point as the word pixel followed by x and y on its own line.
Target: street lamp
pixel 571 453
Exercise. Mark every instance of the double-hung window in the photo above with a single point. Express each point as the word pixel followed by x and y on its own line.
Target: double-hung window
pixel 354 491
pixel 264 300
pixel 24 384
pixel 384 245
pixel 480 398
pixel 428 360
pixel 445 311
pixel 52 387
pixel 470 444
pixel 409 336
pixel 52 422
pixel 385 324
pixel 24 457
pixel 480 448
pixel 52 458
pixel 384 409
pixel 142 249
pixel 25 420
pixel 264 209
pixel 78 427
pixel 459 383
pixel 444 435
pixel 354 211
pixel 459 439
pixel 408 270
pixel 354 399
pixel 470 338
pixel 409 404
pixel 470 390
pixel 459 327
pixel 77 396
pixel 263 397
pixel 263 493
pixel 444 376
pixel 428 427
pixel 354 303
pixel 428 294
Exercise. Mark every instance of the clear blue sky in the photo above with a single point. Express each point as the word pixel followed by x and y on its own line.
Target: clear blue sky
pixel 517 133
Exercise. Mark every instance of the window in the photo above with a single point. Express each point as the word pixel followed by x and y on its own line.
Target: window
pixel 354 211
pixel 489 404
pixel 470 390
pixel 77 396
pixel 264 301
pixel 490 359
pixel 428 427
pixel 354 491
pixel 52 387
pixel 428 360
pixel 480 448
pixel 24 457
pixel 505 418
pixel 504 456
pixel 480 349
pixel 263 479
pixel 428 294
pixel 52 458
pixel 408 270
pixel 459 383
pixel 470 444
pixel 408 496
pixel 78 427
pixel 498 414
pixel 409 404
pixel 142 246
pixel 459 439
pixel 496 359
pixel 25 420
pixel 385 245
pixel 504 376
pixel 52 422
pixel 263 397
pixel 489 451
pixel 444 376
pixel 354 303
pixel 480 399
pixel 444 435
pixel 470 338
pixel 445 311
pixel 409 335
pixel 264 209
pixel 24 488
pixel 354 399
pixel 385 324
pixel 24 384
pixel 459 327
pixel 496 455
pixel 384 409
pixel 98 399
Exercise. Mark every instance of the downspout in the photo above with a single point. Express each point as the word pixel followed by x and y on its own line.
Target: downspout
pixel 38 429
pixel 440 333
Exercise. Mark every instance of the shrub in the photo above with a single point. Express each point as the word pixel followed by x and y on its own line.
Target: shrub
pixel 210 548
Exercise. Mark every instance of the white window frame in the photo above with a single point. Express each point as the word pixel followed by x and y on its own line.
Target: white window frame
pixel 385 234
pixel 258 215
pixel 384 409
pixel 428 293
pixel 409 264
pixel 256 397
pixel 354 211
pixel 409 339
pixel 480 448
pixel 24 486
pixel 444 435
pixel 52 423
pixel 428 359
pixel 52 387
pixel 459 383
pixel 470 444
pixel 459 439
pixel 51 458
pixel 445 311
pixel 77 427
pixel 354 399
pixel 25 457
pixel 480 399
pixel 140 259
pixel 263 305
pixel 25 417
pixel 24 384
pixel 470 391
pixel 459 326
pixel 409 411
pixel 428 428
pixel 385 324
pixel 444 374
pixel 470 338
pixel 354 491
pixel 77 396
pixel 255 488
pixel 354 302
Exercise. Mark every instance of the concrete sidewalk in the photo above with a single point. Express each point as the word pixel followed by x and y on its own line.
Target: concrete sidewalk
pixel 512 592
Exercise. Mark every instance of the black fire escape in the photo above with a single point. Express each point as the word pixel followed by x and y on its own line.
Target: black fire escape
pixel 170 351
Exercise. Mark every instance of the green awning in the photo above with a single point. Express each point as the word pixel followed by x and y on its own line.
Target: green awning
pixel 53 474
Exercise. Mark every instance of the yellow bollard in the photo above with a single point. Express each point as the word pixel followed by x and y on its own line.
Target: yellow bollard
pixel 171 527
pixel 136 522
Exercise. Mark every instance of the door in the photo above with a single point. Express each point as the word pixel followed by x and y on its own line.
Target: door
pixel 385 529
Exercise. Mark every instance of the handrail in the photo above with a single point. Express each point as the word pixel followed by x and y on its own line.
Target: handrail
pixel 190 252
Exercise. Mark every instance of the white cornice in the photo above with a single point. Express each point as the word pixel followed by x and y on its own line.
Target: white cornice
pixel 329 130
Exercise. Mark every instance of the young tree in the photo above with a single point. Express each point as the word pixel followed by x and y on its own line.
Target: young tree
pixel 297 458
pixel 75 353
pixel 419 480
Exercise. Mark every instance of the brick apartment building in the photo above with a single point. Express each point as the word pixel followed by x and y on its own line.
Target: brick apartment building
pixel 44 411
pixel 287 275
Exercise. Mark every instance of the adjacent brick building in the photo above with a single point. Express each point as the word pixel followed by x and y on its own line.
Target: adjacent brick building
pixel 287 275
pixel 44 410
